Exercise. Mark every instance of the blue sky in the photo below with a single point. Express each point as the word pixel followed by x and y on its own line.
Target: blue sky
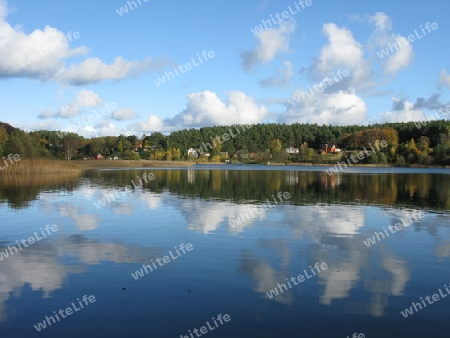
pixel 51 81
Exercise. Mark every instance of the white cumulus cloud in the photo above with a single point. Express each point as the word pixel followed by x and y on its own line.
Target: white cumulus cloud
pixel 341 52
pixel 43 53
pixel 281 78
pixel 84 99
pixel 124 114
pixel 271 42
pixel 444 78
pixel 341 108
pixel 151 124
pixel 94 70
pixel 206 108
pixel 403 111
pixel 399 50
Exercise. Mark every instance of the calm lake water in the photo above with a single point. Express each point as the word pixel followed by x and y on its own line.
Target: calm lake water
pixel 241 248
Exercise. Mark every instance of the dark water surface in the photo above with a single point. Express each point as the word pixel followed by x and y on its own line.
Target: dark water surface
pixel 242 247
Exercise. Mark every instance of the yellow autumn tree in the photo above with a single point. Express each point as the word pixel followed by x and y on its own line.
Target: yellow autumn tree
pixel 3 139
pixel 412 148
pixel 276 145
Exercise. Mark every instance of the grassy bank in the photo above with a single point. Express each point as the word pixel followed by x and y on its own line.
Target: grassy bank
pixel 95 164
pixel 39 180
pixel 26 167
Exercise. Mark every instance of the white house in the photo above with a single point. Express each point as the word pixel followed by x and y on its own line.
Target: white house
pixel 193 152
pixel 292 151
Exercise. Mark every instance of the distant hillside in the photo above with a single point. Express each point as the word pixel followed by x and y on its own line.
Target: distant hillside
pixel 9 128
pixel 16 141
pixel 408 143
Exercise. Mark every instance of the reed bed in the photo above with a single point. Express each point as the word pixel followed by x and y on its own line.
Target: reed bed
pixel 26 167
pixel 39 180
pixel 94 164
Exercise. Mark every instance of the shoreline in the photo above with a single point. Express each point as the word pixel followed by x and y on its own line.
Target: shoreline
pixel 307 164
pixel 108 164
pixel 424 166
pixel 112 164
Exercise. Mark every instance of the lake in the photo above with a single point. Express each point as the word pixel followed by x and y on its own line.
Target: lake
pixel 226 251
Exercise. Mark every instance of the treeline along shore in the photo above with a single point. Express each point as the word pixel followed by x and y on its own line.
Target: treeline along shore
pixel 406 144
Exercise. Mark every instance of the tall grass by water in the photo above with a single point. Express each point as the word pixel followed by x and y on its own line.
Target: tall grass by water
pixel 94 164
pixel 38 166
pixel 38 180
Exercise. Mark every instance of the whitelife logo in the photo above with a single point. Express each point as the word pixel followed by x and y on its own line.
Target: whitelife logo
pixel 285 14
pixel 319 88
pixel 274 292
pixel 68 311
pixel 417 306
pixel 401 41
pixel 361 155
pixel 204 329
pixel 124 10
pixel 187 66
pixel 441 114
pixel 48 48
pixel 248 215
pixel 34 239
pixel 10 158
pixel 378 236
pixel 166 259
pixel 112 197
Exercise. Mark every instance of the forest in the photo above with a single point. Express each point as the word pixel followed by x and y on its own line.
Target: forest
pixel 408 143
